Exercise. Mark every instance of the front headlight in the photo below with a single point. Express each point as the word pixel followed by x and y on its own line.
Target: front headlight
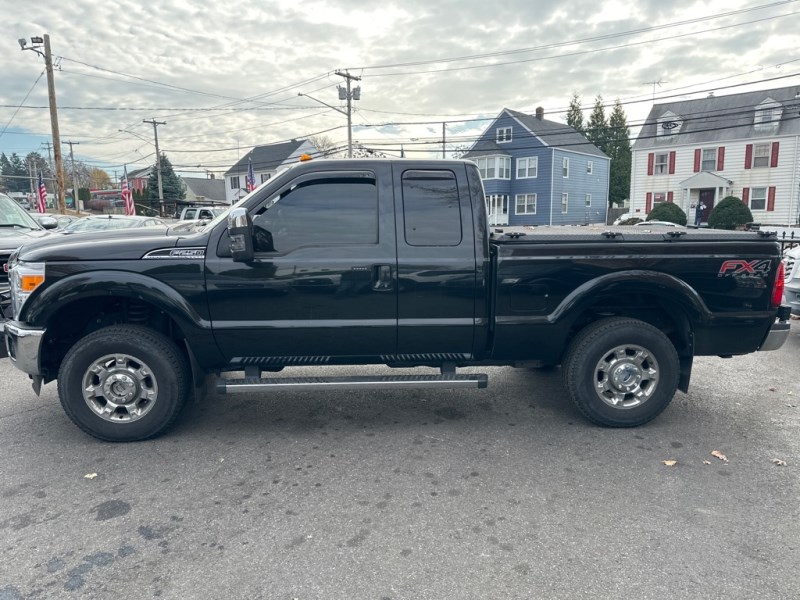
pixel 24 278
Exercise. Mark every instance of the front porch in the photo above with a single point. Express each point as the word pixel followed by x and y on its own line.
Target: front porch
pixel 701 193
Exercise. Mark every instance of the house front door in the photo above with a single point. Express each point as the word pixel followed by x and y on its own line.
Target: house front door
pixel 706 201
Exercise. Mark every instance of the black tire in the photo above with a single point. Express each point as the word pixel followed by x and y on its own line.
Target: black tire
pixel 140 382
pixel 621 372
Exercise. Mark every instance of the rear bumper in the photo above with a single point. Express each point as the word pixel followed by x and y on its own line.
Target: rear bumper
pixel 778 333
pixel 23 346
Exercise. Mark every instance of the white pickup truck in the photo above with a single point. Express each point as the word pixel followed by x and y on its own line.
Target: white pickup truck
pixel 191 213
pixel 791 264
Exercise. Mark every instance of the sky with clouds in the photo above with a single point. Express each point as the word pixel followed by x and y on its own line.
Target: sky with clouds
pixel 226 76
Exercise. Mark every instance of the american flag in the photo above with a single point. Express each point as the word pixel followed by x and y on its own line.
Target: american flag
pixel 250 180
pixel 127 194
pixel 41 206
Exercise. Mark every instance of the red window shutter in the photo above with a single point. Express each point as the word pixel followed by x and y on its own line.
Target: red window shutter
pixel 651 159
pixel 746 196
pixel 771 198
pixel 721 158
pixel 649 203
pixel 672 163
pixel 669 196
pixel 697 160
pixel 773 160
pixel 748 156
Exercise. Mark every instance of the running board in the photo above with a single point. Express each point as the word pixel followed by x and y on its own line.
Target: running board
pixel 258 384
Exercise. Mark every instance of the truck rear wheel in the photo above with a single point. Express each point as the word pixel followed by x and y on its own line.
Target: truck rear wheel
pixel 621 372
pixel 123 383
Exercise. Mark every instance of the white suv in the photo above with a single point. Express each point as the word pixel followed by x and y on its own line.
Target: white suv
pixel 791 293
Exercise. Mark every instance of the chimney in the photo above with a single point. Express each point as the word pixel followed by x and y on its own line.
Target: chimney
pixel 539 112
pixel 212 175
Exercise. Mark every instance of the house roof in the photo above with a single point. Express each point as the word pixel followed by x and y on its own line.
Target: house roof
pixel 720 118
pixel 141 173
pixel 556 135
pixel 210 189
pixel 486 148
pixel 266 158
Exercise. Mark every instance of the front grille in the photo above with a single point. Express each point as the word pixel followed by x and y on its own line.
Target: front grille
pixel 4 256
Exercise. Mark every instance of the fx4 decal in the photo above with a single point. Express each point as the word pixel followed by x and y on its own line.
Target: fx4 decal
pixel 733 268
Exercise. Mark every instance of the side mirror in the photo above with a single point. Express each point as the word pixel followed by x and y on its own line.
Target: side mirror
pixel 240 232
pixel 47 222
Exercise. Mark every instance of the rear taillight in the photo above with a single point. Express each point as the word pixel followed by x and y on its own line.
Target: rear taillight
pixel 777 288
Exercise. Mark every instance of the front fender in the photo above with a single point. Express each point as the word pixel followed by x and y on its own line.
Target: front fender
pixel 41 307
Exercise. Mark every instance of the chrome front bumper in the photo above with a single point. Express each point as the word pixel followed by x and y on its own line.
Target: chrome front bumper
pixel 23 345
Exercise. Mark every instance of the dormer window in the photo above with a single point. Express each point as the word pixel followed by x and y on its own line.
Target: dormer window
pixel 767 115
pixel 668 124
pixel 503 134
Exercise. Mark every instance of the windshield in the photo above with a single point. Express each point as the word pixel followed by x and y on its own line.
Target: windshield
pixel 13 215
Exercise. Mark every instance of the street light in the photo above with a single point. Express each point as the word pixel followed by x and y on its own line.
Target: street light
pixel 51 93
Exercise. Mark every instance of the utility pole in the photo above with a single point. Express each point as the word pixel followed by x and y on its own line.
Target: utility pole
pixel 443 140
pixel 49 154
pixel 51 94
pixel 74 178
pixel 349 96
pixel 158 165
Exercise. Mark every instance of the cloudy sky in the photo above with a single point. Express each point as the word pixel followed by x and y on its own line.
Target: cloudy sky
pixel 226 76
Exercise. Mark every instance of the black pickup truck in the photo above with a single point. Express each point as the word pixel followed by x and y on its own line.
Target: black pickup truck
pixel 387 262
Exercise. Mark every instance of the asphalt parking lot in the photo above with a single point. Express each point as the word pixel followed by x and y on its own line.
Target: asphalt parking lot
pixel 498 493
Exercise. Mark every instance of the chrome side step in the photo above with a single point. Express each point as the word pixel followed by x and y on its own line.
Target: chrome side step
pixel 274 384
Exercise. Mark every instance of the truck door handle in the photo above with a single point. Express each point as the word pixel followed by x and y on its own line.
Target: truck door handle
pixel 382 278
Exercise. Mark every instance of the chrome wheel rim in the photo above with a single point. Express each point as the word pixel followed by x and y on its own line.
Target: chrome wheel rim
pixel 626 376
pixel 119 388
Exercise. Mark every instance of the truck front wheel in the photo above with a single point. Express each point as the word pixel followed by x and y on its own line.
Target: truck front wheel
pixel 621 372
pixel 123 383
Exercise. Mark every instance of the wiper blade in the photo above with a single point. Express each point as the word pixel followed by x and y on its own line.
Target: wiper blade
pixel 15 225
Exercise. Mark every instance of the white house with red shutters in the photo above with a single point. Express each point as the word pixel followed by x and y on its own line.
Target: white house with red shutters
pixel 697 152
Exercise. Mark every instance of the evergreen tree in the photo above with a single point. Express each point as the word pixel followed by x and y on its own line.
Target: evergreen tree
pixel 597 127
pixel 575 114
pixel 14 173
pixel 171 186
pixel 619 150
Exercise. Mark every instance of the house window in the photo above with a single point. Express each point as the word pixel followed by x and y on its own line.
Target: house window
pixel 668 124
pixel 494 167
pixel 589 167
pixel 659 197
pixel 235 183
pixel 709 159
pixel 564 203
pixel 588 201
pixel 504 134
pixel 265 177
pixel 761 155
pixel 661 164
pixel 526 204
pixel 764 116
pixel 527 168
pixel 758 198
pixel 565 167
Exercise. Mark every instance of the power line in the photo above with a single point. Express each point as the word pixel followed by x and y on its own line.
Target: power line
pixel 21 103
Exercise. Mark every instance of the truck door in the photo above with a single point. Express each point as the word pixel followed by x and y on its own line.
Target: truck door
pixel 323 281
pixel 436 260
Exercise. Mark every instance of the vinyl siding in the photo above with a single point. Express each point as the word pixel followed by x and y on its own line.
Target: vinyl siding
pixel 577 185
pixel 783 177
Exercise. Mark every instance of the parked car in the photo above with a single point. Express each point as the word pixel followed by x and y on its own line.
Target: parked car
pixel 105 222
pixel 659 224
pixel 61 221
pixel 791 265
pixel 17 227
pixel 199 213
pixel 623 217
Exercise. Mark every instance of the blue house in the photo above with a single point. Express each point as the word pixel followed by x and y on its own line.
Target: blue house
pixel 539 172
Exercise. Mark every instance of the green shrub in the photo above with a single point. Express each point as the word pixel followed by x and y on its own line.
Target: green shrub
pixel 667 211
pixel 631 221
pixel 730 213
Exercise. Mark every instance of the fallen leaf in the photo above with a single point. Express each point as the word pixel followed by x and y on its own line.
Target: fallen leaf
pixel 719 455
pixel 778 462
pixel 90 476
pixel 670 463
pixel 772 389
pixel 706 462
